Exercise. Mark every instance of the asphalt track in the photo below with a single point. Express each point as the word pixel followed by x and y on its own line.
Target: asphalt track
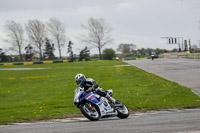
pixel 167 121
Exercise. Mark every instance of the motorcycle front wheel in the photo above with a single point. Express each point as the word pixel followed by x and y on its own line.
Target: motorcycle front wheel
pixel 90 111
pixel 122 110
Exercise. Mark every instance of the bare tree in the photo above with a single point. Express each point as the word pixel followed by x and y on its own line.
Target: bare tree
pixel 98 33
pixel 36 33
pixel 15 36
pixel 57 30
pixel 126 49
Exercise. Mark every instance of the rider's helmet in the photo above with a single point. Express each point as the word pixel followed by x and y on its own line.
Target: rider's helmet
pixel 80 79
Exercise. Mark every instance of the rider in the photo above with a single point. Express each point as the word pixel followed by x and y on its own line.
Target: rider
pixel 90 85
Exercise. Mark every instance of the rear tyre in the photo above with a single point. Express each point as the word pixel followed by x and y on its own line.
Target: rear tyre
pixel 90 111
pixel 122 110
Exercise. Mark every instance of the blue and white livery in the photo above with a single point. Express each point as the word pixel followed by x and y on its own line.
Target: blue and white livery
pixel 95 107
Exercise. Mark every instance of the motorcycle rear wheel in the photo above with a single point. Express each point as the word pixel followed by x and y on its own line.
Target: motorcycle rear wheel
pixel 90 111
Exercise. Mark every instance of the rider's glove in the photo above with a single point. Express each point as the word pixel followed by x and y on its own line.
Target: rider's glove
pixel 90 89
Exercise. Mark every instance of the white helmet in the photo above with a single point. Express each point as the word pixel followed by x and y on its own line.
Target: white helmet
pixel 80 79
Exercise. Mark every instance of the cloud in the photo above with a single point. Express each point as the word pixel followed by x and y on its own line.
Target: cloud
pixel 142 22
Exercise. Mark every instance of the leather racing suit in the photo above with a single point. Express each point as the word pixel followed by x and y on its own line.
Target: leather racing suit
pixel 90 85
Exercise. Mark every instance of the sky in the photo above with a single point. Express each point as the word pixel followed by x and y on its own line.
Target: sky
pixel 140 22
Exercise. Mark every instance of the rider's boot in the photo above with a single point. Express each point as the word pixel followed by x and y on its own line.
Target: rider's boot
pixel 111 99
pixel 100 92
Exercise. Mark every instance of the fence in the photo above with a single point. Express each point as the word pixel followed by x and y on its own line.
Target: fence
pixel 180 55
pixel 193 56
pixel 175 55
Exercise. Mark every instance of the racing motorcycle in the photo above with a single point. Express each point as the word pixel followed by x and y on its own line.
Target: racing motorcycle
pixel 94 107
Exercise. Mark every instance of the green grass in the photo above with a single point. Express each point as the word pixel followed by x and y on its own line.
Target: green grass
pixel 48 93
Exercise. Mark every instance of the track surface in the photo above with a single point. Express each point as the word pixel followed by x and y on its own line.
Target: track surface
pixel 161 121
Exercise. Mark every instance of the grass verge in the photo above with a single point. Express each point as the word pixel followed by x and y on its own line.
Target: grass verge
pixel 48 93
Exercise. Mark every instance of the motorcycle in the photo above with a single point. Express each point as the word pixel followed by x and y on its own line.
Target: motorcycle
pixel 94 107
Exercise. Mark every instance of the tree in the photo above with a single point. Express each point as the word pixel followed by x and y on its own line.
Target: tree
pixel 84 54
pixel 174 50
pixel 3 57
pixel 149 51
pixel 142 52
pixel 126 49
pixel 49 50
pixel 134 52
pixel 57 30
pixel 194 48
pixel 98 33
pixel 161 51
pixel 36 33
pixel 108 54
pixel 15 36
pixel 70 51
pixel 29 52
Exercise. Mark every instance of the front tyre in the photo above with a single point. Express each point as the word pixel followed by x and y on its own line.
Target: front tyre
pixel 122 110
pixel 90 111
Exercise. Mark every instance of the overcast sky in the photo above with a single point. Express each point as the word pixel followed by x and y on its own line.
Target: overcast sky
pixel 141 22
